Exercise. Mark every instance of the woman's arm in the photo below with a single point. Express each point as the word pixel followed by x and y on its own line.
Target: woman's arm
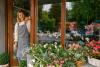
pixel 28 25
pixel 16 33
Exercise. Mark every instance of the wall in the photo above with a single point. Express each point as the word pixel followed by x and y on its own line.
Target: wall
pixel 2 26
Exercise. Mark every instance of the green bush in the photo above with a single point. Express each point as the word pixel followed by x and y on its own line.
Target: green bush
pixel 4 58
pixel 23 63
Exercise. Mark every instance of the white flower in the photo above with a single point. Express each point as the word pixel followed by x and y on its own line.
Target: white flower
pixel 52 44
pixel 58 49
pixel 45 46
pixel 87 39
pixel 55 43
pixel 33 60
pixel 50 35
pixel 67 35
pixel 30 65
pixel 75 35
pixel 31 48
pixel 41 65
pixel 33 44
pixel 56 46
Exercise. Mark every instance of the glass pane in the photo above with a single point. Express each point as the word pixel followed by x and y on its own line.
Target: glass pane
pixel 81 21
pixel 49 17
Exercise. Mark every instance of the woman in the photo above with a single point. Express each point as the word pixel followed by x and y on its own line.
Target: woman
pixel 21 34
pixel 89 29
pixel 73 28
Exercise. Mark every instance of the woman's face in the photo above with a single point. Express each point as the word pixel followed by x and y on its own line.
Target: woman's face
pixel 21 15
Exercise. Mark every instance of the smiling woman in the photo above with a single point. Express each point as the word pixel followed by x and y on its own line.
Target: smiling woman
pixel 20 29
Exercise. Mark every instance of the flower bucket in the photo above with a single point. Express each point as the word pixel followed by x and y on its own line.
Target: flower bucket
pixel 91 61
pixel 97 62
pixel 30 61
pixel 6 65
pixel 94 62
pixel 79 63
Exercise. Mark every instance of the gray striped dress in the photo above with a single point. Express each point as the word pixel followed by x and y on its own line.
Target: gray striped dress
pixel 23 40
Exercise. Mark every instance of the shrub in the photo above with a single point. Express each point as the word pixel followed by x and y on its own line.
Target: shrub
pixel 4 58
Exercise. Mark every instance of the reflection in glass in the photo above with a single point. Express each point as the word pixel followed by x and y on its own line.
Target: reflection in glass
pixel 49 16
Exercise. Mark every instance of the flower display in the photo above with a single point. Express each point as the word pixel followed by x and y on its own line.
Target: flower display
pixel 53 55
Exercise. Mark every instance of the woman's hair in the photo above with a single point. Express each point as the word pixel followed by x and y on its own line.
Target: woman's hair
pixel 20 11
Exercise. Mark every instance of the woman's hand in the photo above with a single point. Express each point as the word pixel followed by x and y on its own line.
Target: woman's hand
pixel 15 45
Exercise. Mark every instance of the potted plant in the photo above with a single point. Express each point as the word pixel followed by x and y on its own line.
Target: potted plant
pixel 4 60
pixel 77 55
pixel 94 57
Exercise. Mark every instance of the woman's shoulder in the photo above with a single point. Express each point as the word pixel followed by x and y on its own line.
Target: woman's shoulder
pixel 16 24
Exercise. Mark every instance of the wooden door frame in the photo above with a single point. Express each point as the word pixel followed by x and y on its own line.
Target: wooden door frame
pixel 63 21
pixel 34 16
pixel 9 27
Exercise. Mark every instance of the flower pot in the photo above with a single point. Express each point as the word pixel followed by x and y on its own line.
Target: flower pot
pixel 30 61
pixel 97 62
pixel 94 62
pixel 5 65
pixel 91 61
pixel 79 63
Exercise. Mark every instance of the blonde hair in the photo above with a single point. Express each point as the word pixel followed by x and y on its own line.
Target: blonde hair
pixel 20 11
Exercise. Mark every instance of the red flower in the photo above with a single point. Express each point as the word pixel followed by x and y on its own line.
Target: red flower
pixel 92 43
pixel 98 42
pixel 97 47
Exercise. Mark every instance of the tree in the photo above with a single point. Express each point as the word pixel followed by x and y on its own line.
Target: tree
pixel 46 23
pixel 55 12
pixel 97 9
pixel 40 7
pixel 85 10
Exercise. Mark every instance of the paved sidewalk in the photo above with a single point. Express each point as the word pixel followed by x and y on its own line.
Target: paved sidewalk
pixel 88 65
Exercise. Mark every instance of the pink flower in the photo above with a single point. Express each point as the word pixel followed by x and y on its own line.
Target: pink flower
pixel 62 61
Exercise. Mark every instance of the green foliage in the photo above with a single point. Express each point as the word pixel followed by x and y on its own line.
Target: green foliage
pixel 96 9
pixel 85 10
pixel 23 63
pixel 47 23
pixel 76 54
pixel 25 4
pixel 69 64
pixel 40 55
pixel 55 12
pixel 4 58
pixel 40 7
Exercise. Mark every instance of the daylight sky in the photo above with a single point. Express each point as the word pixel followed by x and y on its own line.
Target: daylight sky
pixel 48 6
